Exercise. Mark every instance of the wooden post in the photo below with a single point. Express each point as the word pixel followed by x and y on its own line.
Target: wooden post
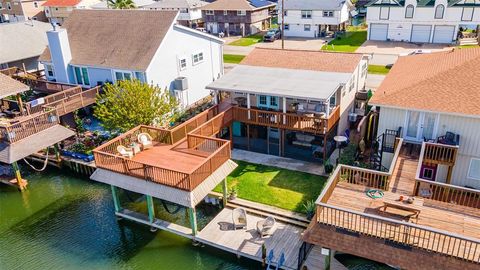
pixel 248 137
pixel 18 176
pixel 20 103
pixel 328 260
pixel 230 131
pixel 57 153
pixel 192 213
pixel 151 209
pixel 449 174
pixel 225 192
pixel 116 200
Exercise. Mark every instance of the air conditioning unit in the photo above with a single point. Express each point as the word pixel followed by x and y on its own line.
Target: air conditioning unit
pixel 181 83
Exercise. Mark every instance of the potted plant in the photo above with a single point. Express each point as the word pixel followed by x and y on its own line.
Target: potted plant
pixel 232 193
pixel 328 166
pixel 309 209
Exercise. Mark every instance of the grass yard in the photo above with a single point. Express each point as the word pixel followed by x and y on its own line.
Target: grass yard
pixel 233 58
pixel 378 69
pixel 348 42
pixel 247 41
pixel 468 46
pixel 274 186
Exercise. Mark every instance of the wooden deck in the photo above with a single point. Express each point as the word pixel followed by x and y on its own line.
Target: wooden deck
pixel 315 260
pixel 247 243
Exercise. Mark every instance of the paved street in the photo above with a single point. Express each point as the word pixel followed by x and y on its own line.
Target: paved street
pixel 374 81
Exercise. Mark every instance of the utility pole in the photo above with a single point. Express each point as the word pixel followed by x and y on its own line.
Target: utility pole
pixel 283 24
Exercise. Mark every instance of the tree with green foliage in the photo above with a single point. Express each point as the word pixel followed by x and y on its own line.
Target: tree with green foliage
pixel 127 104
pixel 121 4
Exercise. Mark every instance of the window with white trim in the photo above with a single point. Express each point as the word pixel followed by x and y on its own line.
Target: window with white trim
pixel 409 10
pixel 328 13
pixel 364 70
pixel 439 11
pixel 81 75
pixel 384 13
pixel 35 4
pixel 474 169
pixel 274 101
pixel 9 6
pixel 241 12
pixel 286 26
pixel 122 75
pixel 50 71
pixel 208 12
pixel 197 58
pixel 182 63
pixel 262 100
pixel 140 76
pixel 352 84
pixel 427 173
pixel 306 27
pixel 285 13
pixel 1 6
pixel 306 14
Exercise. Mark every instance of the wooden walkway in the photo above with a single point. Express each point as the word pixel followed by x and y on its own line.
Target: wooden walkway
pixel 219 233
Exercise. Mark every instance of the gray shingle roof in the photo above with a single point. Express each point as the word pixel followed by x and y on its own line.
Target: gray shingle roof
pixel 22 40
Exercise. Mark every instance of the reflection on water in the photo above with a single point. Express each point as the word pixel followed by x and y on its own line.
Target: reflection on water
pixel 63 222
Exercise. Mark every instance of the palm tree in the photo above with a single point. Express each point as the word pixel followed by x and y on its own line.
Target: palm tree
pixel 121 4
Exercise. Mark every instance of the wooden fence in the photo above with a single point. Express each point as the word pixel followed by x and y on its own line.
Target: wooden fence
pixel 450 194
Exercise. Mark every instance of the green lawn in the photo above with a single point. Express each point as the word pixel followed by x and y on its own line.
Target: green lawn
pixel 468 46
pixel 247 41
pixel 348 42
pixel 233 58
pixel 378 69
pixel 273 186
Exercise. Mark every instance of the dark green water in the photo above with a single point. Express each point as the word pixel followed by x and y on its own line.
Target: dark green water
pixel 65 222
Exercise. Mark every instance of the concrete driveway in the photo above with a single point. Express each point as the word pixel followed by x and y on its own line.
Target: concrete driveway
pixel 397 48
pixel 295 44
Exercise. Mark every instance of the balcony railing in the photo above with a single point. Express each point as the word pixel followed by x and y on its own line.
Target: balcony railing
pixel 31 125
pixel 317 125
pixel 179 132
pixel 439 153
pixel 400 232
pixel 447 193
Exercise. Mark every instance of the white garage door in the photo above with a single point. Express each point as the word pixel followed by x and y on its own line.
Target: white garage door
pixel 378 31
pixel 443 34
pixel 421 33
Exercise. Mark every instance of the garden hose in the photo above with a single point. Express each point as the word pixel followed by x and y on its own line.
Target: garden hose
pixel 374 193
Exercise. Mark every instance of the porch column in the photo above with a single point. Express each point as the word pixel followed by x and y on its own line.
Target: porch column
pixel 20 103
pixel 248 106
pixel 116 200
pixel 18 176
pixel 284 110
pixel 192 213
pixel 215 97
pixel 225 191
pixel 151 210
pixel 327 107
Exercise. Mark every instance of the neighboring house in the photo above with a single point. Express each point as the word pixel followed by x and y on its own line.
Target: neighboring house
pixel 58 10
pixel 312 18
pixel 441 96
pixel 140 4
pixel 89 50
pixel 190 13
pixel 26 42
pixel 237 17
pixel 432 21
pixel 292 103
pixel 21 10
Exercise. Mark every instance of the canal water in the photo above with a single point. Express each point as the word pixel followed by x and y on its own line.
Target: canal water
pixel 66 222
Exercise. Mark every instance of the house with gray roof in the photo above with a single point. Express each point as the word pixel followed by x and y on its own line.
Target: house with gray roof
pixel 190 13
pixel 313 18
pixel 424 21
pixel 22 43
pixel 89 50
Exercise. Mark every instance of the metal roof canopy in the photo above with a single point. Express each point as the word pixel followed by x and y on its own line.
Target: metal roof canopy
pixel 290 83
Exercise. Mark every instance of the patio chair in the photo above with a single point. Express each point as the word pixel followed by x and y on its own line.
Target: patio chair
pixel 124 151
pixel 265 227
pixel 145 140
pixel 239 217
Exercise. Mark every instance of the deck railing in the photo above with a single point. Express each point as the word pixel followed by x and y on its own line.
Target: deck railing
pixel 180 132
pixel 315 124
pixel 451 194
pixel 29 126
pixel 439 153
pixel 215 124
pixel 400 232
pixel 215 151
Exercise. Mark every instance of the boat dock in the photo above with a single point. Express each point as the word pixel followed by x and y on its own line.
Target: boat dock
pixel 246 243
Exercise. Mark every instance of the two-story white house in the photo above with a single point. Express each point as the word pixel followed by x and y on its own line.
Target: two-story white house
pixel 431 21
pixel 313 18
pixel 90 49
pixel 435 99
pixel 190 13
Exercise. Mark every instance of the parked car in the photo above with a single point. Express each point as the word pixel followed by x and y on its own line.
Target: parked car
pixel 272 35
